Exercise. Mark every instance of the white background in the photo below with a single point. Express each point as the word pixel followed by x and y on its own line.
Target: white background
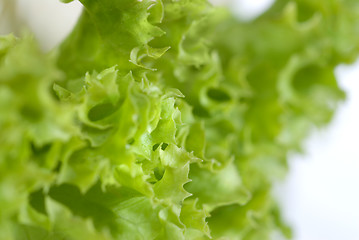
pixel 320 196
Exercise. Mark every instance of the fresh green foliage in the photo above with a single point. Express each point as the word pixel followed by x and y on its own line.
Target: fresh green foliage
pixel 164 119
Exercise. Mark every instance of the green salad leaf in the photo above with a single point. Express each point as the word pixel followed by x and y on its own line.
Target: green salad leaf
pixel 165 119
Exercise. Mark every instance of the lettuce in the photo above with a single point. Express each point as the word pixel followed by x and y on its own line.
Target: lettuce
pixel 164 119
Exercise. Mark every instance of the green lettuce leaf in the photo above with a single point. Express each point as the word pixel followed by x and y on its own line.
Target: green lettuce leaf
pixel 165 119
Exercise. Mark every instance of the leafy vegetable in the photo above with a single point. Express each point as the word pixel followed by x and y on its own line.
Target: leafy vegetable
pixel 164 119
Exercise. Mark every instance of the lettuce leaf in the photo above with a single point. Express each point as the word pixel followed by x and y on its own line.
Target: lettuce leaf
pixel 164 119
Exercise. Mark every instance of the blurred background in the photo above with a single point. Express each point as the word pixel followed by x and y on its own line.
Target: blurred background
pixel 320 195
